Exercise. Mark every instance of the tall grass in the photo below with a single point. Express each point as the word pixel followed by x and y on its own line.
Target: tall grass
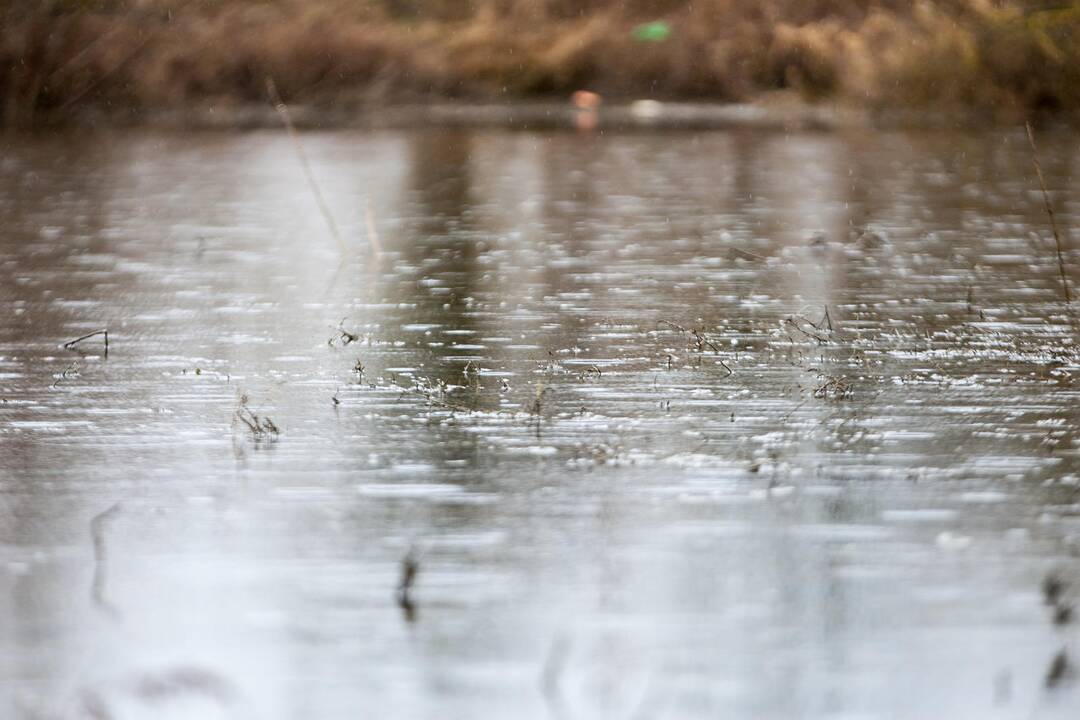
pixel 1008 57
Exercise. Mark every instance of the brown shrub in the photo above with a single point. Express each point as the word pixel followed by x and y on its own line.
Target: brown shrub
pixel 57 56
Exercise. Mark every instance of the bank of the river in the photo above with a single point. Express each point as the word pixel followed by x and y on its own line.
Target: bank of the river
pixel 644 114
pixel 789 114
pixel 64 60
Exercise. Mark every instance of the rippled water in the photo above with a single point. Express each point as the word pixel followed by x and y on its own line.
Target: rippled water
pixel 588 390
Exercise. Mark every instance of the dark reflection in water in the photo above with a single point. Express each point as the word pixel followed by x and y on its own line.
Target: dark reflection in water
pixel 589 384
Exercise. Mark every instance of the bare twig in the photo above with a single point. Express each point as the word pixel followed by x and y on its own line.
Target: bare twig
pixel 794 321
pixel 283 111
pixel 1050 214
pixel 826 320
pixel 791 412
pixel 103 331
pixel 747 255
pixel 671 324
pixel 697 341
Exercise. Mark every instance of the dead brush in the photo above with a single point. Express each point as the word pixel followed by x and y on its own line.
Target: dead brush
pixel 471 375
pixel 596 454
pixel 341 335
pixel 592 372
pixel 535 407
pixel 261 428
pixel 70 371
pixel 807 329
pixel 832 388
pixel 434 391
pixel 697 341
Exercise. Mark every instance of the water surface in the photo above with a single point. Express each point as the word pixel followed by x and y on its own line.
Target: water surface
pixel 730 424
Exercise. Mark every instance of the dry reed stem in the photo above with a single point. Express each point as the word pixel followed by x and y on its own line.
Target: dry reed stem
pixel 1050 214
pixel 105 332
pixel 283 111
pixel 410 568
pixel 97 535
pixel 373 233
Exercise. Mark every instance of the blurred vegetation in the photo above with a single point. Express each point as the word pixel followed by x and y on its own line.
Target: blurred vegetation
pixel 1008 58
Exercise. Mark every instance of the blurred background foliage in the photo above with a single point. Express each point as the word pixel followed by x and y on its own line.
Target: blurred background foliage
pixel 1007 58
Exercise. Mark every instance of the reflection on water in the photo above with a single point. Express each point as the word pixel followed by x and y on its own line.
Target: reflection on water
pixel 729 424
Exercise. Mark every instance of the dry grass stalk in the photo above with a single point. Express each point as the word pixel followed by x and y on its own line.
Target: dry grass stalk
pixel 97 535
pixel 1050 213
pixel 410 568
pixel 260 427
pixel 283 111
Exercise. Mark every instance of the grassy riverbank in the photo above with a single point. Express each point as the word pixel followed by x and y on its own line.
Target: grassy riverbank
pixel 1008 60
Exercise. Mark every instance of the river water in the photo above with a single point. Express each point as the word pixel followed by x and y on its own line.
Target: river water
pixel 654 425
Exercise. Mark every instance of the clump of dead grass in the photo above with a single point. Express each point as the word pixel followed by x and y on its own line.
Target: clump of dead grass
pixel 1011 57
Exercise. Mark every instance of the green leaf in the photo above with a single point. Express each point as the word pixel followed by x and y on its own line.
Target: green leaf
pixel 655 31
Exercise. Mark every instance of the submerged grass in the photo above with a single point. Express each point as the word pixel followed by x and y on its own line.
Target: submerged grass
pixel 1009 57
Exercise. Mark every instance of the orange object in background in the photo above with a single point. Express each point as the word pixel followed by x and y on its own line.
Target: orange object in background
pixel 586 104
pixel 585 100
